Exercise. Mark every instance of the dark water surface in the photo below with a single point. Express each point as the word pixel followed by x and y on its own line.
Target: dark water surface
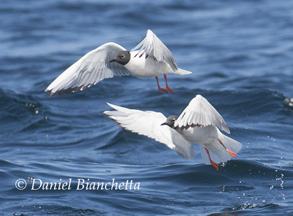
pixel 240 53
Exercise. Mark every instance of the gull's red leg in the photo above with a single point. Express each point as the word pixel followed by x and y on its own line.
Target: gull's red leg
pixel 161 89
pixel 230 152
pixel 212 162
pixel 170 90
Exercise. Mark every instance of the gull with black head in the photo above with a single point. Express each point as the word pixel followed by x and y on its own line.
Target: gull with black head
pixel 150 58
pixel 198 123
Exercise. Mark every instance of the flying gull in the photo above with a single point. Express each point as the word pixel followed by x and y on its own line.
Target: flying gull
pixel 198 123
pixel 150 58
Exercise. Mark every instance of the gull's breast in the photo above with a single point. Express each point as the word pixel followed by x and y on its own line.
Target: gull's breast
pixel 143 66
pixel 199 135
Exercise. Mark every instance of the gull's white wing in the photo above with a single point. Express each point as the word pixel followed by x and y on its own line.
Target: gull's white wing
pixel 89 70
pixel 148 123
pixel 200 113
pixel 151 45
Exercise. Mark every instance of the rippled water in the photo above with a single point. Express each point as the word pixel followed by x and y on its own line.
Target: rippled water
pixel 240 53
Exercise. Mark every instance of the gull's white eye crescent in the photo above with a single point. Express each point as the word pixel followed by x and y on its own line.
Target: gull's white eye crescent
pixel 122 56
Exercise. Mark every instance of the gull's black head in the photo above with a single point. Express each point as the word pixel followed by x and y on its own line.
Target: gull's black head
pixel 170 121
pixel 123 58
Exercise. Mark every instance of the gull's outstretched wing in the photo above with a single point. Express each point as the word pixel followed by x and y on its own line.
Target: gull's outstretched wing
pixel 148 123
pixel 200 113
pixel 151 45
pixel 89 70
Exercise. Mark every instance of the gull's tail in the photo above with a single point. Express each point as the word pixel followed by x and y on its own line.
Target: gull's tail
pixel 221 149
pixel 182 72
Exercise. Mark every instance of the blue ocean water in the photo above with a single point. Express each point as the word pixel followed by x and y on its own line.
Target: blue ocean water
pixel 240 53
